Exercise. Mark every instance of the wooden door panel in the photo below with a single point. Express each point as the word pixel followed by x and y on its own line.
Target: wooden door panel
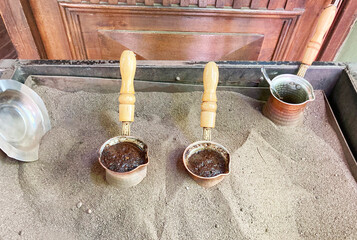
pixel 97 32
pixel 201 25
pixel 180 45
pixel 119 19
pixel 56 28
pixel 255 4
pixel 7 49
pixel 61 22
pixel 276 4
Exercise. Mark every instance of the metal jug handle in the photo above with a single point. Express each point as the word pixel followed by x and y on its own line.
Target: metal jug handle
pixel 265 74
pixel 311 95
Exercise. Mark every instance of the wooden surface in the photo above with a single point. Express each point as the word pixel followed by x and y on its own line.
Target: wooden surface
pixel 51 28
pixel 291 4
pixel 181 34
pixel 127 97
pixel 22 29
pixel 259 4
pixel 74 29
pixel 241 3
pixel 323 25
pixel 180 46
pixel 272 4
pixel 93 30
pixel 306 27
pixel 209 98
pixel 7 50
pixel 276 4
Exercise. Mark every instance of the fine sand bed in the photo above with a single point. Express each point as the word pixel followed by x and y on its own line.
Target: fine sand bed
pixel 285 183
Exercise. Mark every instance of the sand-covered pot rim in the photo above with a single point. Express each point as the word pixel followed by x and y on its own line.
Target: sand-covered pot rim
pixel 302 81
pixel 119 139
pixel 199 145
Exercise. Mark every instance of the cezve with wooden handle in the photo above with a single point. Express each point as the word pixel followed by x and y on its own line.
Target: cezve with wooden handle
pixel 313 47
pixel 127 93
pixel 209 99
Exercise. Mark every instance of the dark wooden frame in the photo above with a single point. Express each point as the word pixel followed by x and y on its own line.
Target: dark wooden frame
pixel 7 49
pixel 22 29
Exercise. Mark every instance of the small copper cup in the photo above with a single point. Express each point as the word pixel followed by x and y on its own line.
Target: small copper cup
pixel 289 95
pixel 130 178
pixel 195 147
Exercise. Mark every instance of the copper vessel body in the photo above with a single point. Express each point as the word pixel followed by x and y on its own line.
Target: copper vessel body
pixel 130 178
pixel 289 95
pixel 282 113
pixel 206 182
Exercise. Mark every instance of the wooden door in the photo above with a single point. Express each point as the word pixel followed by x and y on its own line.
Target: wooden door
pixel 98 31
pixel 198 30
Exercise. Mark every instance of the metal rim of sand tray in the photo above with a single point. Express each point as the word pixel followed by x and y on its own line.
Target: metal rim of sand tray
pixel 24 120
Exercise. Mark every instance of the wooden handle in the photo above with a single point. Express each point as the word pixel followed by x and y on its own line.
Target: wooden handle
pixel 127 97
pixel 209 99
pixel 323 25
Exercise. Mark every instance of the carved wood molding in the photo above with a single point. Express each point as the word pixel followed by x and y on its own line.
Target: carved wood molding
pixel 71 13
pixel 252 4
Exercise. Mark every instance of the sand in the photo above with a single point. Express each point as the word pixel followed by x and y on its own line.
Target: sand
pixel 285 183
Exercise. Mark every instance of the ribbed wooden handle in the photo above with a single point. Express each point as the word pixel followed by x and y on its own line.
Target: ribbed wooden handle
pixel 127 97
pixel 209 99
pixel 323 25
